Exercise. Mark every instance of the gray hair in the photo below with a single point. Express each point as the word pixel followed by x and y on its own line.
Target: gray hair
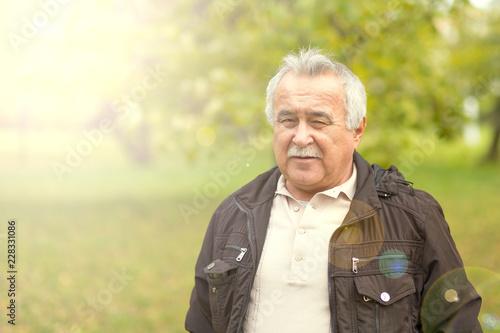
pixel 312 63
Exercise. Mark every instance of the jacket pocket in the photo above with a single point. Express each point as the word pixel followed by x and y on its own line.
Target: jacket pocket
pixel 220 276
pixel 384 304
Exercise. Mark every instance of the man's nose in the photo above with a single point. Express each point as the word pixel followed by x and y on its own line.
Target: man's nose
pixel 302 137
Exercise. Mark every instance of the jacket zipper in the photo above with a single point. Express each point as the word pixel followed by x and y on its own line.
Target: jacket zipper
pixel 355 265
pixel 242 254
pixel 243 251
pixel 355 260
pixel 377 313
pixel 332 305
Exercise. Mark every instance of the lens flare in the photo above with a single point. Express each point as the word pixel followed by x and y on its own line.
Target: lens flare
pixel 451 295
pixel 393 263
pixel 491 321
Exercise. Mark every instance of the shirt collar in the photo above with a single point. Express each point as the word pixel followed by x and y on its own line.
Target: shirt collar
pixel 348 188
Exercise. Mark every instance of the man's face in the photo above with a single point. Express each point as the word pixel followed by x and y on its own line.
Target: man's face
pixel 312 146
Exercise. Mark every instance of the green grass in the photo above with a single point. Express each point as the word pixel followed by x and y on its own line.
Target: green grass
pixel 76 235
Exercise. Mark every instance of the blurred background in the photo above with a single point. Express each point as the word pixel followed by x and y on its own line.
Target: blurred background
pixel 123 124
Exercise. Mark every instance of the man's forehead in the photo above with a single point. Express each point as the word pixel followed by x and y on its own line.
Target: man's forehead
pixel 311 113
pixel 320 90
pixel 292 76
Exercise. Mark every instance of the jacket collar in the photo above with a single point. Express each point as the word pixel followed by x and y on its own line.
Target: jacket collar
pixel 262 189
pixel 365 202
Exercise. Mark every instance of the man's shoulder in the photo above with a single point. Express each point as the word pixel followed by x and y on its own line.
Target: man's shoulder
pixel 258 190
pixel 395 190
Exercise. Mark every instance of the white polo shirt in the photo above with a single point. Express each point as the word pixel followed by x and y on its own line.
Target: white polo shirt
pixel 290 290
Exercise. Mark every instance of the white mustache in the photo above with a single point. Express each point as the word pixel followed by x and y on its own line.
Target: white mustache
pixel 308 151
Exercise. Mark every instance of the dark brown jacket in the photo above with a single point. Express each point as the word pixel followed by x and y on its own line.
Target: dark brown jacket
pixel 393 265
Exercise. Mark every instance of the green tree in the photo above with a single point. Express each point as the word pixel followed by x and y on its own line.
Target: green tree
pixel 474 43
pixel 223 52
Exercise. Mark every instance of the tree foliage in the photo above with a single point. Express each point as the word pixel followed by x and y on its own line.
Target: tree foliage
pixel 419 61
pixel 406 53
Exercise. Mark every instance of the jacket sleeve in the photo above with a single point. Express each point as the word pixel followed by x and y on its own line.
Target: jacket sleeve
pixel 449 301
pixel 198 319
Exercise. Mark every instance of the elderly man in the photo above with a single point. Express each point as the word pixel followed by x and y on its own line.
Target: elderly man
pixel 325 242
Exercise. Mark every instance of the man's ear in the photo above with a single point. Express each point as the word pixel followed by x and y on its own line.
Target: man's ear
pixel 358 133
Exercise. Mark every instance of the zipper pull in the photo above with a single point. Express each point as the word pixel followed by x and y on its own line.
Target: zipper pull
pixel 355 264
pixel 242 254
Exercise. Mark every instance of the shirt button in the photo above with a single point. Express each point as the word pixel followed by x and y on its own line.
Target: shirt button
pixel 302 231
pixel 298 258
pixel 296 209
